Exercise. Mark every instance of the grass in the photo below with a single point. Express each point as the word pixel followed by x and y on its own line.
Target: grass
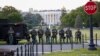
pixel 76 52
pixel 87 33
pixel 2 42
pixel 23 41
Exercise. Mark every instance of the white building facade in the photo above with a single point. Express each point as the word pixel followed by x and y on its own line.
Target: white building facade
pixel 50 17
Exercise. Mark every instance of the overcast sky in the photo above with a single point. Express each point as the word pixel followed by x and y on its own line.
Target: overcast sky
pixel 24 5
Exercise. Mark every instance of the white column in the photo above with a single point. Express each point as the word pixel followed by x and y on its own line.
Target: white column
pixel 49 19
pixel 54 18
pixel 46 18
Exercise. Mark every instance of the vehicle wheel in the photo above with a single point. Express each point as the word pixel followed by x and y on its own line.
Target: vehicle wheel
pixel 15 42
pixel 7 41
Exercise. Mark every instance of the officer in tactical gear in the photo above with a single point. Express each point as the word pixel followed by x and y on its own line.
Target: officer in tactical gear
pixel 78 36
pixel 26 34
pixel 34 34
pixel 11 35
pixel 54 35
pixel 68 35
pixel 48 35
pixel 61 34
pixel 40 35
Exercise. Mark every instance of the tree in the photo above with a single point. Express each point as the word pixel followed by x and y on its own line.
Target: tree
pixel 63 13
pixel 6 10
pixel 78 22
pixel 15 17
pixel 96 17
pixel 1 15
pixel 28 19
pixel 70 18
pixel 11 13
pixel 39 18
pixel 86 17
pixel 32 19
pixel 98 3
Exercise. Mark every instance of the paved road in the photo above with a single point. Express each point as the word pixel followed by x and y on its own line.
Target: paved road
pixel 47 48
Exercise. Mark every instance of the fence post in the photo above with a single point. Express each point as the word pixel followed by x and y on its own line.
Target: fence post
pixel 28 49
pixel 25 50
pixel 21 50
pixel 96 39
pixel 85 37
pixel 33 49
pixel 83 40
pixel 36 49
pixel 42 47
pixel 17 54
pixel 60 43
pixel 51 44
pixel 71 42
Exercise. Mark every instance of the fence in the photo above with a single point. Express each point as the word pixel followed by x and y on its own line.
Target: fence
pixel 31 49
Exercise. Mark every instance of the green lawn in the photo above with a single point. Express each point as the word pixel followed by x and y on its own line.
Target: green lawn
pixel 20 42
pixel 2 42
pixel 23 41
pixel 87 33
pixel 76 52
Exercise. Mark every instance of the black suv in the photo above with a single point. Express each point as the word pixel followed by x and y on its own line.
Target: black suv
pixel 20 31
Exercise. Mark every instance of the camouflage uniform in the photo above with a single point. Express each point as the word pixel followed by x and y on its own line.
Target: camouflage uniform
pixel 54 35
pixel 34 34
pixel 68 35
pixel 47 34
pixel 78 36
pixel 61 34
pixel 40 34
pixel 11 35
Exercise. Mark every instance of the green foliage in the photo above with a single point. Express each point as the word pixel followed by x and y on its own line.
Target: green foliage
pixel 69 18
pixel 63 13
pixel 78 22
pixel 15 17
pixel 9 12
pixel 32 19
pixel 97 16
pixel 1 15
pixel 8 9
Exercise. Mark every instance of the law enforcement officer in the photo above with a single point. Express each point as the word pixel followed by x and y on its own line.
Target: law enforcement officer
pixel 34 34
pixel 54 35
pixel 48 35
pixel 11 35
pixel 68 35
pixel 78 36
pixel 40 35
pixel 61 34
pixel 27 34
